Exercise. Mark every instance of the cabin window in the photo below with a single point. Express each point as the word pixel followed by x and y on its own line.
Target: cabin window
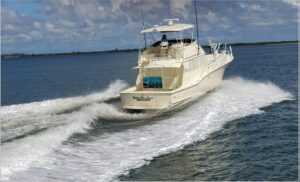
pixel 152 82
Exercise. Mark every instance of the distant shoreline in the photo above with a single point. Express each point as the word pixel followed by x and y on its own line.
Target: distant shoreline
pixel 14 55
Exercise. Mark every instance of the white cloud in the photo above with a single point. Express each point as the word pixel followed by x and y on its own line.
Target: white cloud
pixel 37 25
pixel 25 37
pixel 116 4
pixel 180 7
pixel 94 20
pixel 257 20
pixel 35 34
pixel 212 17
pixel 250 7
pixel 49 26
pixel 67 2
pixel 100 8
pixel 295 3
pixel 242 5
pixel 9 27
pixel 256 7
pixel 67 23
pixel 53 29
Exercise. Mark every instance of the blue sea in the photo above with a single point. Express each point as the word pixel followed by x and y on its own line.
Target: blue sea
pixel 61 121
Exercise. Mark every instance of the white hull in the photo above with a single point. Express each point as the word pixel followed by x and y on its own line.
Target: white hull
pixel 147 100
pixel 209 83
pixel 173 72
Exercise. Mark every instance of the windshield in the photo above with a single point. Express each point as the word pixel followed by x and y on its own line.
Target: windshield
pixel 165 38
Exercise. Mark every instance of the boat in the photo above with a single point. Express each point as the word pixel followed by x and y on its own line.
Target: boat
pixel 174 70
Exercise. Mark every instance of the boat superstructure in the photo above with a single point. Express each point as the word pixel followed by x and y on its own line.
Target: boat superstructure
pixel 174 71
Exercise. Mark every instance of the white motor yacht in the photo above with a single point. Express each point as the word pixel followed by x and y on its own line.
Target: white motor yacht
pixel 174 71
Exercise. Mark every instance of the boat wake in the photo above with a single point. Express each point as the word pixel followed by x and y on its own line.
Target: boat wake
pixel 109 154
pixel 20 120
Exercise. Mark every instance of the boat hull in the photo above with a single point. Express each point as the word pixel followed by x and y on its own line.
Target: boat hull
pixel 164 100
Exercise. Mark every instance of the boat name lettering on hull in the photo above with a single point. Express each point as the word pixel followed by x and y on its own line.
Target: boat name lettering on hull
pixel 142 98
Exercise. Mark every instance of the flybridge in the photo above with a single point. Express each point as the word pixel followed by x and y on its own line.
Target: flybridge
pixel 171 26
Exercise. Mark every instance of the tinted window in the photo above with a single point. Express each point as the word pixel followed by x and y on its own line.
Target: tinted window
pixel 152 82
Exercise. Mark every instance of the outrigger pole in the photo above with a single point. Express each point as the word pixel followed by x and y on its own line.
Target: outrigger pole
pixel 196 16
pixel 143 23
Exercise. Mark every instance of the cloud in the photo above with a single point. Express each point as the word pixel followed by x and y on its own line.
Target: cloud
pixel 295 3
pixel 105 23
pixel 9 27
pixel 36 25
pixel 25 37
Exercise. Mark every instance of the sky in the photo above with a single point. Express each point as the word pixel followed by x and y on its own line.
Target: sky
pixel 51 26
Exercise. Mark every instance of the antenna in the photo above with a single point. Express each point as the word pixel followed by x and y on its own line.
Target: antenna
pixel 143 23
pixel 169 8
pixel 196 16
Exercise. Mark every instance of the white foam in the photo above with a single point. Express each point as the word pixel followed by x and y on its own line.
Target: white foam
pixel 112 154
pixel 19 154
pixel 17 120
pixel 60 105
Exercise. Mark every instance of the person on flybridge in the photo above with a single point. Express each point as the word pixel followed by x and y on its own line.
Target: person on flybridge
pixel 164 44
pixel 164 41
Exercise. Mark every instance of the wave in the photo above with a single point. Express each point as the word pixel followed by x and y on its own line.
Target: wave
pixel 63 104
pixel 18 154
pixel 114 153
pixel 19 120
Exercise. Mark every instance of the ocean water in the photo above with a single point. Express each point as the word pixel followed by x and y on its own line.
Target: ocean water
pixel 61 121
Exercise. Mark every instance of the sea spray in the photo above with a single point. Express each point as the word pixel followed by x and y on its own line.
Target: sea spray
pixel 19 120
pixel 112 154
pixel 60 105
pixel 19 154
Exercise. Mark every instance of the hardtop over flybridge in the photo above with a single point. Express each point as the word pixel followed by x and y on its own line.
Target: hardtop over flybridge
pixel 174 71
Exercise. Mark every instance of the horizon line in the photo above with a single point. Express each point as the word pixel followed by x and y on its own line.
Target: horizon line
pixel 134 49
